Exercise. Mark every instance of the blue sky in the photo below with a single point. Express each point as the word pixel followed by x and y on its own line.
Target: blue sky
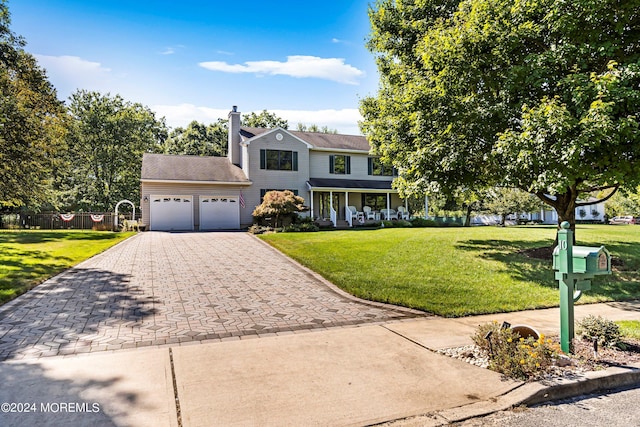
pixel 187 60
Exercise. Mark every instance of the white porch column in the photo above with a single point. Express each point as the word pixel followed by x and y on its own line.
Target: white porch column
pixel 311 205
pixel 332 214
pixel 388 201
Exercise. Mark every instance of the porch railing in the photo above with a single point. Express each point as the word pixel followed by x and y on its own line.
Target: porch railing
pixel 347 214
pixel 334 217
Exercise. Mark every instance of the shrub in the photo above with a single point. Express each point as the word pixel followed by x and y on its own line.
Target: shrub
pixel 303 226
pixel 259 229
pixel 512 355
pixel 422 222
pixel 298 219
pixel 605 331
pixel 277 204
pixel 401 223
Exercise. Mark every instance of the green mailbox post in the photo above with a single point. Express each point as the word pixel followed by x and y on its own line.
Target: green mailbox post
pixel 575 267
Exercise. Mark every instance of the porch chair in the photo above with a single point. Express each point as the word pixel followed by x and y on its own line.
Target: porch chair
pixel 351 210
pixel 368 213
pixel 389 214
pixel 403 213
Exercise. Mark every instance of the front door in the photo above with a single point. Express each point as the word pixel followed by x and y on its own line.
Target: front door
pixel 325 206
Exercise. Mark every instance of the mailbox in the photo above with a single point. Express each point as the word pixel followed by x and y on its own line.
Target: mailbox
pixel 575 267
pixel 587 260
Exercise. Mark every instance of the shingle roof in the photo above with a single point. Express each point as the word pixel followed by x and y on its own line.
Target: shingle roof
pixel 190 168
pixel 349 183
pixel 319 139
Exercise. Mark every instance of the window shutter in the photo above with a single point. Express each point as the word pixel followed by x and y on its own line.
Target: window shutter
pixel 370 166
pixel 263 159
pixel 295 160
pixel 347 164
pixel 331 163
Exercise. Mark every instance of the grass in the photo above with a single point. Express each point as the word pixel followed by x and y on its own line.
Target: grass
pixel 629 328
pixel 460 271
pixel 27 258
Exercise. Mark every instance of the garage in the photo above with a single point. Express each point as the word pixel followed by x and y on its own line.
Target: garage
pixel 219 213
pixel 171 213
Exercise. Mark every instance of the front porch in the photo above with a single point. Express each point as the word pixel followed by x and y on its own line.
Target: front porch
pixel 350 203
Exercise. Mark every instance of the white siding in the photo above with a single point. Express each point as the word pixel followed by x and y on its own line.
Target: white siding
pixel 274 179
pixel 319 167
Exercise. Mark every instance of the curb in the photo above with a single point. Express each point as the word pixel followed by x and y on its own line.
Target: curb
pixel 529 394
pixel 610 378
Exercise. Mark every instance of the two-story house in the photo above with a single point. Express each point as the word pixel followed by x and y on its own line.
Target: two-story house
pixel 335 174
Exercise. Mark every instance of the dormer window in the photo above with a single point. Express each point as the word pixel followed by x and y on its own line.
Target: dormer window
pixel 279 160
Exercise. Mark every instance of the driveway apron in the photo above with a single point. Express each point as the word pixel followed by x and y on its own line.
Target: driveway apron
pixel 169 288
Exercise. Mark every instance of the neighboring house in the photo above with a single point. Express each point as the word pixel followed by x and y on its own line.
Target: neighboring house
pixel 591 213
pixel 548 215
pixel 330 171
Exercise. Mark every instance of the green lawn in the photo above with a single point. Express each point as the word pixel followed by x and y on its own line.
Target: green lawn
pixel 459 271
pixel 29 257
pixel 630 328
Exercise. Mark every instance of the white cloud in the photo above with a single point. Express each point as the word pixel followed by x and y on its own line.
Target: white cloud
pixel 299 66
pixel 170 50
pixel 69 73
pixel 183 114
pixel 344 120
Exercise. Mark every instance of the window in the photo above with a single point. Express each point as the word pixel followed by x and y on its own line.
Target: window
pixel 279 160
pixel 339 164
pixel 376 167
pixel 375 201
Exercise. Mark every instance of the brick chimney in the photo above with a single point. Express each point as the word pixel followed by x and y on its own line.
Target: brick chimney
pixel 233 144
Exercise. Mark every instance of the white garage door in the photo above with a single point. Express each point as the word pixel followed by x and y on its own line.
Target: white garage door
pixel 219 213
pixel 171 213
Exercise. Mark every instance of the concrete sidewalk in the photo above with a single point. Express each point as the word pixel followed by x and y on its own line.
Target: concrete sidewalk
pixel 357 375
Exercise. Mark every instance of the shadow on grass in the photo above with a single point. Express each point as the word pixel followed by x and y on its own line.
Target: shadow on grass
pixel 22 270
pixel 508 253
pixel 59 312
pixel 623 284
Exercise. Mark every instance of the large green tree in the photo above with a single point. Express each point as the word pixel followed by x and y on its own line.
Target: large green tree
pixel 542 95
pixel 31 124
pixel 264 120
pixel 107 138
pixel 198 139
pixel 506 201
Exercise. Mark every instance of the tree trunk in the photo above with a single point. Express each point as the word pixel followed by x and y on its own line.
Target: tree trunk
pixel 565 206
pixel 467 221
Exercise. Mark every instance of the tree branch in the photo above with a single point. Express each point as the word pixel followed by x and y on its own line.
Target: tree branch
pixel 604 199
pixel 603 187
pixel 546 199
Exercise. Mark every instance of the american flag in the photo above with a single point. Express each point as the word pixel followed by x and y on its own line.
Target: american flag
pixel 242 205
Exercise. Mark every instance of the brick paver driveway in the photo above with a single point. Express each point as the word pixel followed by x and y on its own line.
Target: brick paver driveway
pixel 168 288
